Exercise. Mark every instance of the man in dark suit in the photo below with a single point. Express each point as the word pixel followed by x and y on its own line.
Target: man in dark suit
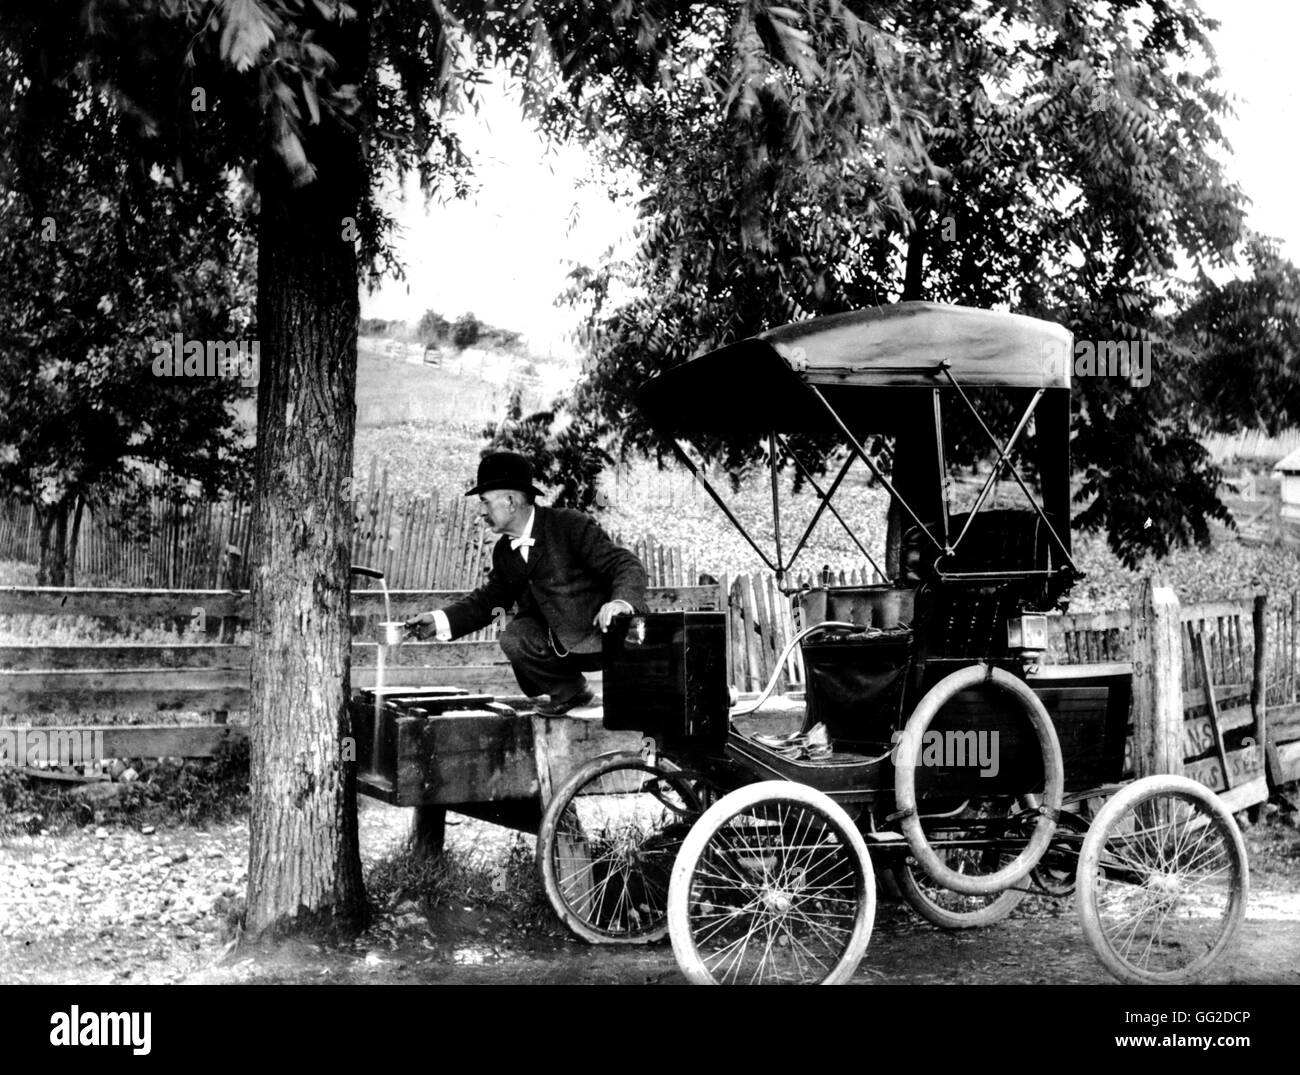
pixel 566 575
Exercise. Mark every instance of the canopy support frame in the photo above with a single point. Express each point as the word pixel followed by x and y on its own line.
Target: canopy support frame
pixel 856 445
pixel 1004 460
pixel 689 464
pixel 826 503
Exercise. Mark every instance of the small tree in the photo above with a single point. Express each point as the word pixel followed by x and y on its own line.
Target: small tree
pixel 467 331
pixel 433 328
pixel 102 263
pixel 1244 342
pixel 564 444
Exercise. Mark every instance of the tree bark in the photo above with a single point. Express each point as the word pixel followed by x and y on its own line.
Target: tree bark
pixel 53 523
pixel 913 277
pixel 913 290
pixel 304 858
pixel 74 538
pixel 44 523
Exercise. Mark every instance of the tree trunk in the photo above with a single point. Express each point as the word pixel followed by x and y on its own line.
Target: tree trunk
pixel 913 290
pixel 53 567
pixel 74 538
pixel 45 523
pixel 913 277
pixel 304 860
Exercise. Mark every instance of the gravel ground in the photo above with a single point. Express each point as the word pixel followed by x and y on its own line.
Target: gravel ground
pixel 131 905
pixel 122 905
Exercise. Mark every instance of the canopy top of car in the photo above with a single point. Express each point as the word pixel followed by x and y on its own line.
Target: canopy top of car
pixel 889 370
pixel 917 345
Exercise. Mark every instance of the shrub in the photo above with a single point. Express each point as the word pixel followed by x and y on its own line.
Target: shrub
pixel 466 331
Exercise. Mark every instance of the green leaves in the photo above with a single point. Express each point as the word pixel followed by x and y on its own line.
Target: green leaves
pixel 247 30
pixel 1052 158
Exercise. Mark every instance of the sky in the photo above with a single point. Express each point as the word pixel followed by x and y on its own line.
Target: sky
pixel 505 252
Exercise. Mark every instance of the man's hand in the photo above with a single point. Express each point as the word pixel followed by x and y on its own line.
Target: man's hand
pixel 429 624
pixel 608 611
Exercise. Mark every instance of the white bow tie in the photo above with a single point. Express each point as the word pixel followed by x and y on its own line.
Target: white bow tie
pixel 517 542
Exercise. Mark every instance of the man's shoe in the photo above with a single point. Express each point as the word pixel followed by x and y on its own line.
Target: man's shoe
pixel 555 709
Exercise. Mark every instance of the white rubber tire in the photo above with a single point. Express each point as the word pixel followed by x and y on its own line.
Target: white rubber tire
pixel 702 834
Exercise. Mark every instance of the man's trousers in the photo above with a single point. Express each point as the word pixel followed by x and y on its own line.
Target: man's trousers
pixel 526 643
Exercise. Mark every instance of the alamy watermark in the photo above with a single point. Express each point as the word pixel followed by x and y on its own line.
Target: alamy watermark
pixel 51 746
pixel 955 749
pixel 179 357
pixel 115 1029
pixel 1131 359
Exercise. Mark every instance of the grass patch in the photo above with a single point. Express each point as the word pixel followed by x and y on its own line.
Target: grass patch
pixel 497 878
pixel 170 791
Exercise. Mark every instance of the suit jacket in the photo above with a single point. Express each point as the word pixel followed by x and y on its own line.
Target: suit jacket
pixel 573 568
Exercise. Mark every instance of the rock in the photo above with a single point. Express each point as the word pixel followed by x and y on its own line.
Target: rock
pixel 116 770
pixel 101 834
pixel 179 857
pixel 148 830
pixel 128 776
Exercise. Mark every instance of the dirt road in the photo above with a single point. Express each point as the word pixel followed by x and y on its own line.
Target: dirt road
pixel 119 906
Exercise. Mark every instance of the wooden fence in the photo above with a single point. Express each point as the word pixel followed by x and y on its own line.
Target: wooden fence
pixel 1245 651
pixel 214 677
pixel 1250 647
pixel 436 542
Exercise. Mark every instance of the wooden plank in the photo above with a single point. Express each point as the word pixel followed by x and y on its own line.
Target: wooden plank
pixel 1212 610
pixel 1288 758
pixel 431 654
pixel 1207 681
pixel 159 741
pixel 123 656
pixel 477 756
pixel 1094 621
pixel 1244 795
pixel 36 692
pixel 1295 642
pixel 140 657
pixel 468 676
pixel 753 651
pixel 542 759
pixel 174 604
pixel 1245 765
pixel 178 604
pixel 1157 700
pixel 1195 696
pixel 724 587
pixel 1284 723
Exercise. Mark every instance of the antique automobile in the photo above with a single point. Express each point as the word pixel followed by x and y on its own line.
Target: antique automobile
pixel 936 751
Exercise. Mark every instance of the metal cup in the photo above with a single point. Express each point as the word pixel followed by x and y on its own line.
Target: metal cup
pixel 391 632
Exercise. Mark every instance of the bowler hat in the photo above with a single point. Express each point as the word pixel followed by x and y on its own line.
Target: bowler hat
pixel 504 470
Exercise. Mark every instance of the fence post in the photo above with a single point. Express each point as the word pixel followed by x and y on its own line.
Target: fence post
pixel 1259 691
pixel 1157 689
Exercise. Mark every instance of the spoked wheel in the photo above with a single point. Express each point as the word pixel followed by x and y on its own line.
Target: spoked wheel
pixel 1162 881
pixel 607 844
pixel 988 827
pixel 772 886
pixel 1054 875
